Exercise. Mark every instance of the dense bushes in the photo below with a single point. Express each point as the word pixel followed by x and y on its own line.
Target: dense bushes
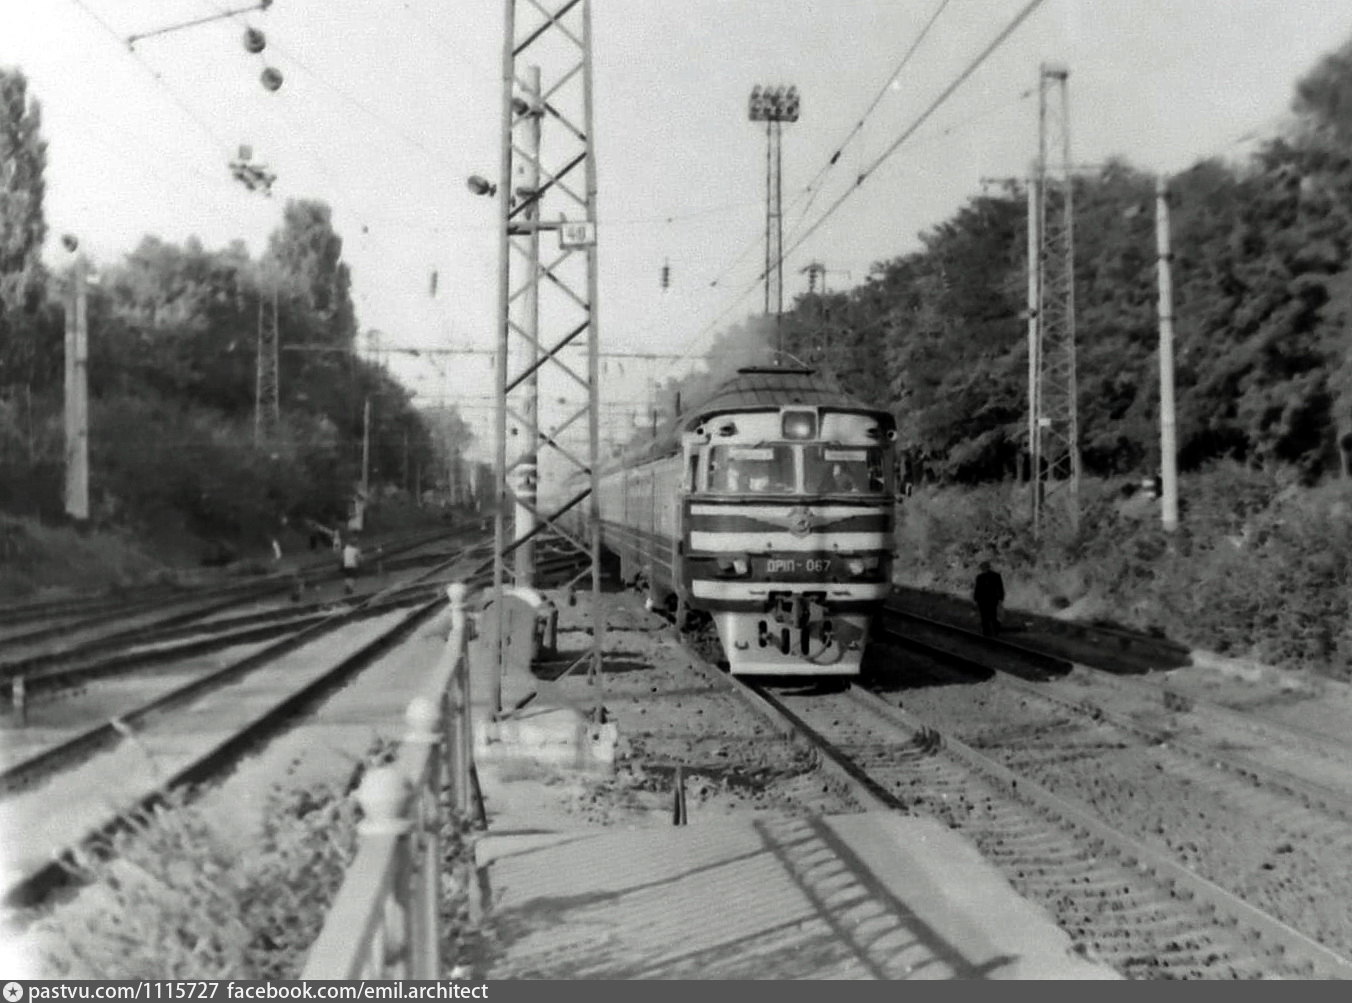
pixel 1258 568
pixel 180 901
pixel 34 557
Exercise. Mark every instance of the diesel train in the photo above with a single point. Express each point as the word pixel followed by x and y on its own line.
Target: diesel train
pixel 768 506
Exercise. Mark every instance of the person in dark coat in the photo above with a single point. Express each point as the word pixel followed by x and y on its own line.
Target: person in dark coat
pixel 988 593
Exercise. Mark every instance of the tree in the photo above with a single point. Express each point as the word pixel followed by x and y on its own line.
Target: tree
pixel 23 161
pixel 24 354
pixel 305 257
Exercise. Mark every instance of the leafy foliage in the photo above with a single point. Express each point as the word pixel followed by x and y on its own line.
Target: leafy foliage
pixel 1263 305
pixel 177 900
pixel 174 334
pixel 1261 567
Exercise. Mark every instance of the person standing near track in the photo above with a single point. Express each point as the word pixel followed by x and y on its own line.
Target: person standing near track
pixel 988 593
pixel 351 563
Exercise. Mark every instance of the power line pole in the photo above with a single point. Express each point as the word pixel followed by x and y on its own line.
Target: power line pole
pixel 1053 412
pixel 814 270
pixel 77 395
pixel 267 385
pixel 774 106
pixel 562 38
pixel 1168 432
pixel 365 462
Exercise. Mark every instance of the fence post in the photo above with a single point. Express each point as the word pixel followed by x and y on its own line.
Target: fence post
pixel 384 799
pixel 424 731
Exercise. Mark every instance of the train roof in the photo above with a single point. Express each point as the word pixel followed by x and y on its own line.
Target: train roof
pixel 757 387
pixel 754 388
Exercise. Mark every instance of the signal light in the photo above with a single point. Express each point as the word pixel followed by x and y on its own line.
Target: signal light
pixel 799 424
pixel 254 41
pixel 666 276
pixel 271 78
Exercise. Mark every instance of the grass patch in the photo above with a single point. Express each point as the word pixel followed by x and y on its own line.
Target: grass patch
pixel 35 558
pixel 174 899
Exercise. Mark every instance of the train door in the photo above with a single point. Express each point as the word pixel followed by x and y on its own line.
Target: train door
pixel 692 455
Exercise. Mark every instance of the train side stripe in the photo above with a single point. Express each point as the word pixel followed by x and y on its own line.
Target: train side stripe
pixel 704 588
pixel 779 511
pixel 813 542
pixel 728 522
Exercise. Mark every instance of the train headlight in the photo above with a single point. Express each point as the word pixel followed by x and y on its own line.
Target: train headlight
pixel 860 566
pixel 799 424
pixel 736 567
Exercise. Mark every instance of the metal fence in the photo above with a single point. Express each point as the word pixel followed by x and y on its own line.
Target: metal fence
pixel 386 920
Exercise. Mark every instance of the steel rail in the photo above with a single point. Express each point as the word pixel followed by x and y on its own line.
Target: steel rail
pixel 29 889
pixel 241 594
pixel 228 594
pixel 1188 883
pixel 872 794
pixel 1313 794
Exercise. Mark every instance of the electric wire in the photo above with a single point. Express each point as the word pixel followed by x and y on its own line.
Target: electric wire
pixel 944 95
pixel 813 186
pixel 910 130
pixel 154 74
pixel 811 190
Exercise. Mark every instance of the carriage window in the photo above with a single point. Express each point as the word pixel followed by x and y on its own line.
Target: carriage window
pixel 844 470
pixel 752 470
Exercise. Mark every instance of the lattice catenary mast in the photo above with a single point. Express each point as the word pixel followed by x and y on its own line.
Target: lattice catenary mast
pixel 267 385
pixel 547 185
pixel 1053 422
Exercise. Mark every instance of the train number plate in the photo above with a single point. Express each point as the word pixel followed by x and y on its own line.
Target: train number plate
pixel 798 566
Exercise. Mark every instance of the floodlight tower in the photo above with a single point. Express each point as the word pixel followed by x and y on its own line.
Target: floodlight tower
pixel 774 105
pixel 1053 422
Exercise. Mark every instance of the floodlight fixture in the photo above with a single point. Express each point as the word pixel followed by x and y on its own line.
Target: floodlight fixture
pixel 778 103
pixel 481 186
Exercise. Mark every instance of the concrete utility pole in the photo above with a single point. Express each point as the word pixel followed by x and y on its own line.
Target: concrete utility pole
pixel 774 106
pixel 77 395
pixel 1054 435
pixel 1168 433
pixel 365 462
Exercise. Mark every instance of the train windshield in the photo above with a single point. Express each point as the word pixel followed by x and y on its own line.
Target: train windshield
pixel 852 470
pixel 752 470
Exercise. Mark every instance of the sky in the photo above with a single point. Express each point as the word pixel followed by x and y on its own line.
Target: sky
pixel 388 106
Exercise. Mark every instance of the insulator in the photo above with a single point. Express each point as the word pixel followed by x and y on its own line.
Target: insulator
pixel 254 40
pixel 271 78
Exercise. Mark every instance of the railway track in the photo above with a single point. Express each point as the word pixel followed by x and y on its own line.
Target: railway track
pixel 1126 902
pixel 1305 764
pixel 234 709
pixel 202 727
pixel 27 631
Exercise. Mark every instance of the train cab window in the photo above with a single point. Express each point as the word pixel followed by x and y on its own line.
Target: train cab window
pixel 845 470
pixel 752 470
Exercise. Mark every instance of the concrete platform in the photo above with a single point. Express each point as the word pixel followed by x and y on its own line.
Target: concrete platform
pixel 874 895
pixel 868 896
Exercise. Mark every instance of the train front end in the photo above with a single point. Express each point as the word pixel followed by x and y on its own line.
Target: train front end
pixel 788 534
